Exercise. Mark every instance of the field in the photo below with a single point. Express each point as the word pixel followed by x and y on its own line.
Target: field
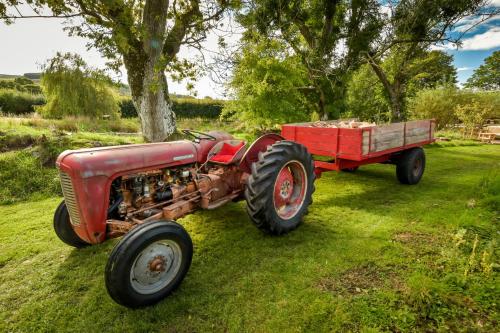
pixel 372 255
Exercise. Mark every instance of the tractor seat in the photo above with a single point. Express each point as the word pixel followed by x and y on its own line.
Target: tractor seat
pixel 227 152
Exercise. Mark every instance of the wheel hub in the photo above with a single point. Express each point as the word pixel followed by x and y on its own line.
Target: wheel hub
pixel 289 189
pixel 155 266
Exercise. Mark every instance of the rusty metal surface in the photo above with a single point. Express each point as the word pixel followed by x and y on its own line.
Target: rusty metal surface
pixel 92 171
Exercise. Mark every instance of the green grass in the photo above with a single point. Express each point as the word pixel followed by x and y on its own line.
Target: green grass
pixel 372 255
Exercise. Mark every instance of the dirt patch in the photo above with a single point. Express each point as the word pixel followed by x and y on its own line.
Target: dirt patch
pixel 421 244
pixel 362 279
pixel 408 237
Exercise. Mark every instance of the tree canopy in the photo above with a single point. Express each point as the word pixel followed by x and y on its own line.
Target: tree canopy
pixel 74 89
pixel 486 76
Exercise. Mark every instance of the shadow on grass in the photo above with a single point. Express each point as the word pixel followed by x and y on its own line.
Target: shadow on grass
pixel 236 266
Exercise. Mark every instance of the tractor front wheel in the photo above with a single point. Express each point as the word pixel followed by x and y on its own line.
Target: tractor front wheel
pixel 63 228
pixel 148 263
pixel 280 188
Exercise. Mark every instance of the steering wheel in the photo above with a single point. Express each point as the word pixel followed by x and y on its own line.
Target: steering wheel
pixel 197 135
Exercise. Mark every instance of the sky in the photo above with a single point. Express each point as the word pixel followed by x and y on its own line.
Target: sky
pixel 28 43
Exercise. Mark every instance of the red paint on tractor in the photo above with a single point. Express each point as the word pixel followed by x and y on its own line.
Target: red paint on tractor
pixel 92 171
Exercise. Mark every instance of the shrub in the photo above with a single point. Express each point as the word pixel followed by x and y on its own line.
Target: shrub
pixel 441 104
pixel 472 116
pixel 127 108
pixel 16 102
pixel 438 104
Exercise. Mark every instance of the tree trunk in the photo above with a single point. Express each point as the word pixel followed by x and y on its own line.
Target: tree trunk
pixel 393 90
pixel 154 107
pixel 146 78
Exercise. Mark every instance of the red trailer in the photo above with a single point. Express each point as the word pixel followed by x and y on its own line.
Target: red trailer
pixel 350 148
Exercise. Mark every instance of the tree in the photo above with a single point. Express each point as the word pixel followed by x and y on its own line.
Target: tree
pixel 411 27
pixel 267 82
pixel 326 35
pixel 74 89
pixel 145 36
pixel 486 76
pixel 368 99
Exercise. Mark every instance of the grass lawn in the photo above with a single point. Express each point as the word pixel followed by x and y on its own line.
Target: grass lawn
pixel 372 255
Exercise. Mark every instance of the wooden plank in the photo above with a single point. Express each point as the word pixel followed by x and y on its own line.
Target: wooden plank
pixel 387 137
pixel 366 142
pixel 417 131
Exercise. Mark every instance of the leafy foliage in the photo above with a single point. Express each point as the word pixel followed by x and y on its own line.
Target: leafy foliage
pixel 17 103
pixel 442 103
pixel 21 84
pixel 74 89
pixel 487 76
pixel 411 27
pixel 367 98
pixel 472 116
pixel 267 82
pixel 314 32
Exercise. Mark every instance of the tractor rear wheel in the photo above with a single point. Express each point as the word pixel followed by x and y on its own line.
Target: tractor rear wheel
pixel 63 228
pixel 148 263
pixel 280 188
pixel 410 166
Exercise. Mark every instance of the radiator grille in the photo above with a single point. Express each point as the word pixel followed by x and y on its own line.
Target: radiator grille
pixel 70 198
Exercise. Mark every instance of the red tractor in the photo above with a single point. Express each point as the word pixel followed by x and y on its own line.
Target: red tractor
pixel 138 191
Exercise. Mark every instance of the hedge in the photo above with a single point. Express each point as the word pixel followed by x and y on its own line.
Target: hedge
pixel 16 102
pixel 183 108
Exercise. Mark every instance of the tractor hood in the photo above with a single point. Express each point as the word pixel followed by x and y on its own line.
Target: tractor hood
pixel 115 160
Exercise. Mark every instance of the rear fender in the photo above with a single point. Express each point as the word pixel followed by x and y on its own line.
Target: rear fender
pixel 260 145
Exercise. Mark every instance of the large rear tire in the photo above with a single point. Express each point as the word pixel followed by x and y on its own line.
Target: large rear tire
pixel 280 188
pixel 148 263
pixel 410 166
pixel 63 228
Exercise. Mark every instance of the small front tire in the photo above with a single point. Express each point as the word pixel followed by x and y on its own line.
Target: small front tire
pixel 148 263
pixel 63 228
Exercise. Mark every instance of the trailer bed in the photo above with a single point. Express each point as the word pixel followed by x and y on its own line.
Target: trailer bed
pixel 351 147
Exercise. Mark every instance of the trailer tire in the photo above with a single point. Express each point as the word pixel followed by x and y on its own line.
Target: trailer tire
pixel 63 228
pixel 279 190
pixel 410 166
pixel 148 263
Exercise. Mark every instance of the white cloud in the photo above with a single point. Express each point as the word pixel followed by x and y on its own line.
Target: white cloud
pixel 485 41
pixel 463 69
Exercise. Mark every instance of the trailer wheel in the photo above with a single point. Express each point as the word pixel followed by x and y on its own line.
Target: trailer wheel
pixel 280 188
pixel 410 166
pixel 148 263
pixel 63 229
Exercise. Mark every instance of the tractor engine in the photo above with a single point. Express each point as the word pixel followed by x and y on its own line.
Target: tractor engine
pixel 169 194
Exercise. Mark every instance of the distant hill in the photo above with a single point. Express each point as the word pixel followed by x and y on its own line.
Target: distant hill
pixel 32 76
